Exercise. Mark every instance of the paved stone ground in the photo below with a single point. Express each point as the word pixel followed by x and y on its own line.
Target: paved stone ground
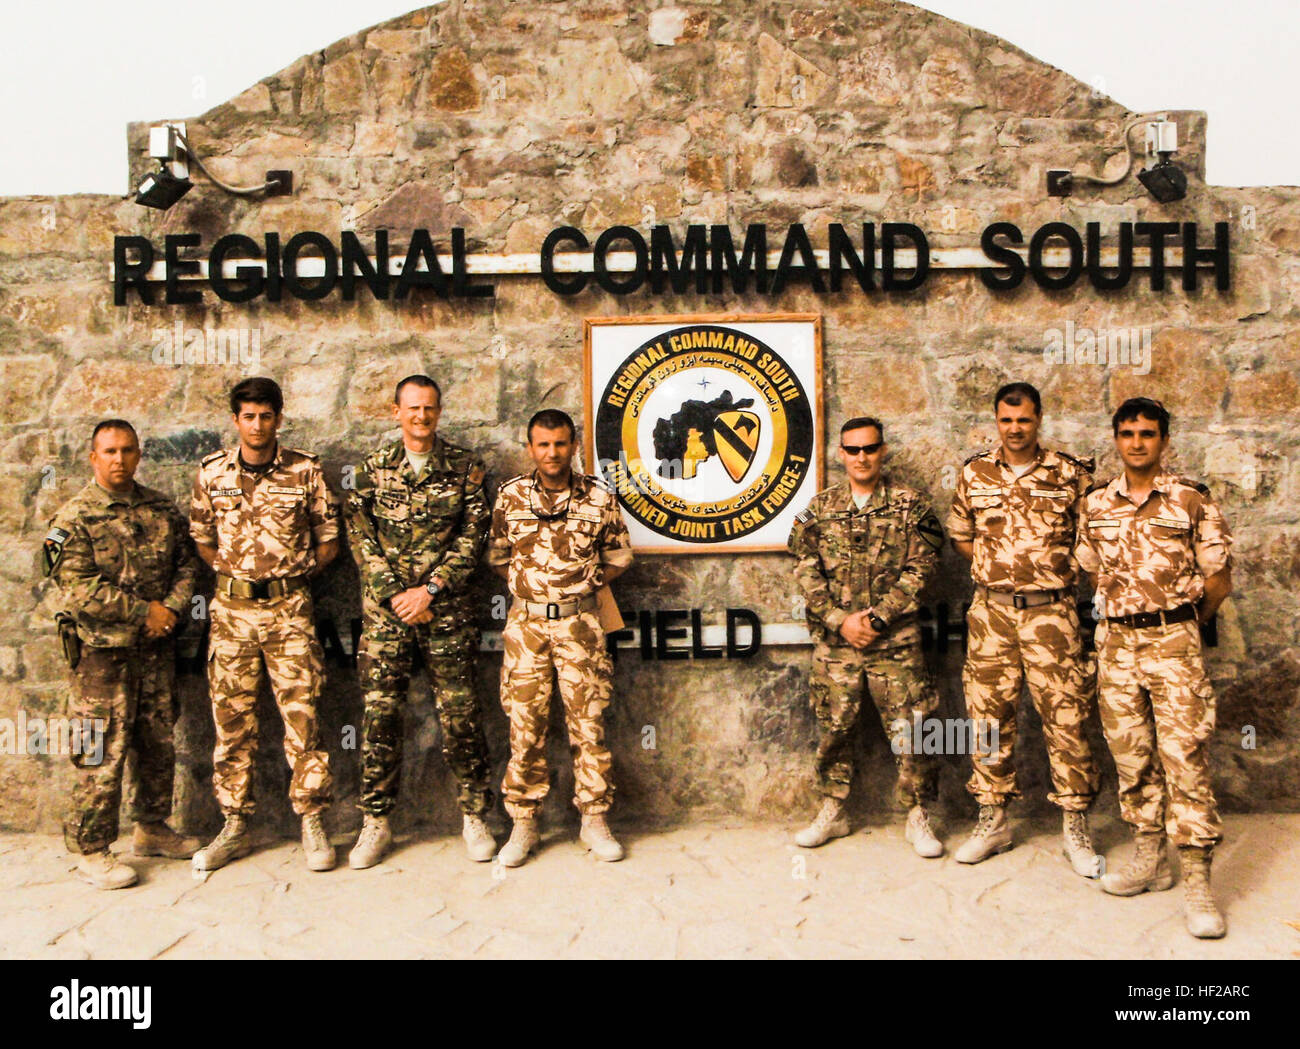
pixel 729 890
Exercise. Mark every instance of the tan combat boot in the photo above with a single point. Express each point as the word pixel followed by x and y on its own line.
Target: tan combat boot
pixel 479 842
pixel 158 839
pixel 105 871
pixel 1147 871
pixel 992 835
pixel 602 844
pixel 232 843
pixel 920 834
pixel 372 843
pixel 830 822
pixel 1078 846
pixel 1203 918
pixel 316 845
pixel 523 840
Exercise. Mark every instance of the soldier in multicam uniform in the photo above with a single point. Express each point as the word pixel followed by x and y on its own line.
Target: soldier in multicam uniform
pixel 121 558
pixel 1158 550
pixel 1013 517
pixel 417 519
pixel 264 519
pixel 864 550
pixel 557 537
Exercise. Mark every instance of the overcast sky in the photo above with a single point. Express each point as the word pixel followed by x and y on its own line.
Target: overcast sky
pixel 73 73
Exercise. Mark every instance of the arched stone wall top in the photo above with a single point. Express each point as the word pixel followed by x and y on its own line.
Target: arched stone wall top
pixel 511 117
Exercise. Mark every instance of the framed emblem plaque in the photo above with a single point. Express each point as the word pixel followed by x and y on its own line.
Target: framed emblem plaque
pixel 709 428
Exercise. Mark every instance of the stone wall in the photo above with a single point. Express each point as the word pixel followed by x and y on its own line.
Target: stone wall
pixel 509 119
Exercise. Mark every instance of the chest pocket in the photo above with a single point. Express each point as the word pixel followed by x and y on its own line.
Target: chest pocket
pixel 109 540
pixel 1168 531
pixel 835 542
pixel 1106 535
pixel 521 527
pixel 393 506
pixel 582 529
pixel 441 499
pixel 287 507
pixel 1050 505
pixel 989 509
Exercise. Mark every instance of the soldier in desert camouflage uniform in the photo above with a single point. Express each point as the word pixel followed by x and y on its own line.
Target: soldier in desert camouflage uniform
pixel 557 537
pixel 1013 517
pixel 264 519
pixel 417 519
pixel 864 550
pixel 121 558
pixel 1158 550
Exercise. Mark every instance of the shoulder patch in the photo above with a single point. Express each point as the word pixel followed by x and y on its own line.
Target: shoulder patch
pixel 52 550
pixel 1083 462
pixel 1191 482
pixel 930 530
pixel 476 473
pixel 805 516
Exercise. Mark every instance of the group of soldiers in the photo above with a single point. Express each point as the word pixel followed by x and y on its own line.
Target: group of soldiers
pixel 125 563
pixel 124 560
pixel 1027 518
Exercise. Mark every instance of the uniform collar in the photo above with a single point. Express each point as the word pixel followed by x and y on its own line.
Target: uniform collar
pixel 1038 459
pixel 277 460
pixel 399 458
pixel 1162 483
pixel 877 498
pixel 103 497
pixel 580 483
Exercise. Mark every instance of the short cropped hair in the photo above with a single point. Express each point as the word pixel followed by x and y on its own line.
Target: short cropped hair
pixel 1015 393
pixel 257 390
pixel 1145 407
pixel 112 424
pixel 422 381
pixel 859 421
pixel 552 419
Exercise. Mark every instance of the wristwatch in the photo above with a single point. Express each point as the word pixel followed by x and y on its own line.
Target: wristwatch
pixel 433 586
pixel 877 624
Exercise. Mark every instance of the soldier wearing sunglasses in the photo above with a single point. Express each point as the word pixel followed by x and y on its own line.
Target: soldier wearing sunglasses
pixel 864 549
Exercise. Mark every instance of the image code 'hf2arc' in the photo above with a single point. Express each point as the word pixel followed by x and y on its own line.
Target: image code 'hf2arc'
pixel 706 433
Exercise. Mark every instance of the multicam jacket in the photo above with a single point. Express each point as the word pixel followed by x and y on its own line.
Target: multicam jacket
pixel 1023 527
pixel 110 555
pixel 879 557
pixel 264 525
pixel 406 530
pixel 561 559
pixel 1154 557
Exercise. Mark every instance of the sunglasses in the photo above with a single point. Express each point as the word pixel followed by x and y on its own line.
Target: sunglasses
pixel 862 449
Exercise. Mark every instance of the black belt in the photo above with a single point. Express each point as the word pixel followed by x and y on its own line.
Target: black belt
pixel 259 591
pixel 1181 614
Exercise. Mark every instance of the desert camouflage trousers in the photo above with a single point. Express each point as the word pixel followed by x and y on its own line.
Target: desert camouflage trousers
pixel 1005 648
pixel 130 693
pixel 897 681
pixel 448 645
pixel 575 647
pixel 1157 707
pixel 280 633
